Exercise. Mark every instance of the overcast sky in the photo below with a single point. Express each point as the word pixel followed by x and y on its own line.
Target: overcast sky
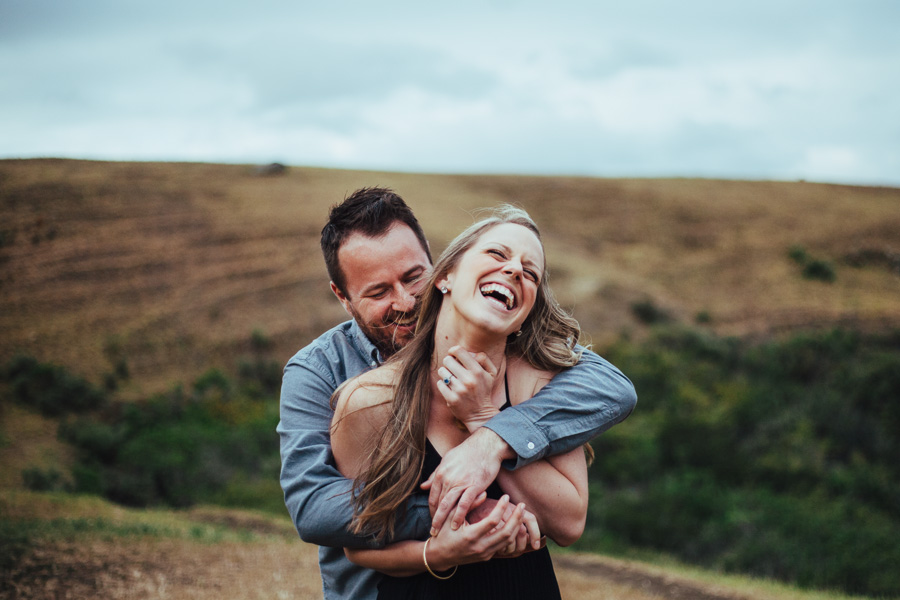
pixel 771 89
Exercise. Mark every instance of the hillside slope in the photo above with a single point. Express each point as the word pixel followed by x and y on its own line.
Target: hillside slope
pixel 177 268
pixel 177 265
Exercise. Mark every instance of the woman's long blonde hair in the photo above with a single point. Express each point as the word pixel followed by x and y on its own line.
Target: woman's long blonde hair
pixel 547 341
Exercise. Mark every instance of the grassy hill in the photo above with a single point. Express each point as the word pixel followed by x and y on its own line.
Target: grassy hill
pixel 144 276
pixel 176 265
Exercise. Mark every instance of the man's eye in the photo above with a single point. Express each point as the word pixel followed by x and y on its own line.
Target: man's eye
pixel 377 295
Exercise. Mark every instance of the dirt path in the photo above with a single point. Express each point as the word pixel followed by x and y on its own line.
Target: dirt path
pixel 592 577
pixel 273 568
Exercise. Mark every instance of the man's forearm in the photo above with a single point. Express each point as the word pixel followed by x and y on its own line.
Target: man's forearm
pixel 316 495
pixel 577 405
pixel 491 445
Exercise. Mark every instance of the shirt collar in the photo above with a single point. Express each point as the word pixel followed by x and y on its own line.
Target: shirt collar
pixel 366 346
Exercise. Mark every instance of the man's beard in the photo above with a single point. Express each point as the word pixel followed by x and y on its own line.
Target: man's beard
pixel 383 334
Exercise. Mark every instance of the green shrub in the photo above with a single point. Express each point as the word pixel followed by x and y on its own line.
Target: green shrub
pixel 15 540
pixel 43 480
pixel 648 313
pixel 260 377
pixel 813 268
pixel 259 341
pixel 50 389
pixel 821 270
pixel 98 440
pixel 177 450
pixel 797 253
pixel 212 385
pixel 779 459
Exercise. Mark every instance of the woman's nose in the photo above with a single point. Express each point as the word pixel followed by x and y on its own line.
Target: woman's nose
pixel 513 267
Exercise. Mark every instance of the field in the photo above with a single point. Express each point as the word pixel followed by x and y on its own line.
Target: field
pixel 90 549
pixel 184 267
pixel 178 264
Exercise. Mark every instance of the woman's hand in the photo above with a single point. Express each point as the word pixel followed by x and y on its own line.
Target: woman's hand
pixel 529 536
pixel 466 380
pixel 497 532
pixel 501 531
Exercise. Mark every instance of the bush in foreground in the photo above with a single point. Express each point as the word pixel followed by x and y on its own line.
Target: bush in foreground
pixel 779 459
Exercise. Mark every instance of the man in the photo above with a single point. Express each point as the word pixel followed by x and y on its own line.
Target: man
pixel 377 258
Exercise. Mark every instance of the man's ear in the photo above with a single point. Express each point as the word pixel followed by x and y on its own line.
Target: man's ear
pixel 345 302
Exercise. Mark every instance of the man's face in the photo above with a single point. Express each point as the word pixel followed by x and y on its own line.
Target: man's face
pixel 383 275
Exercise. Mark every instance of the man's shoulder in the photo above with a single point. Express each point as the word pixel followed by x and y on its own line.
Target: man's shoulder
pixel 338 340
pixel 337 352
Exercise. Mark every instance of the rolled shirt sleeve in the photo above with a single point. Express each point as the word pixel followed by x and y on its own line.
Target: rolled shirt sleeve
pixel 578 404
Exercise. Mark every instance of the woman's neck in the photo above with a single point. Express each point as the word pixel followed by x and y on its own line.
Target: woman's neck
pixel 452 332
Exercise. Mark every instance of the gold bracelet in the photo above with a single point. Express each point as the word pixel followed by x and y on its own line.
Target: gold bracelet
pixel 425 559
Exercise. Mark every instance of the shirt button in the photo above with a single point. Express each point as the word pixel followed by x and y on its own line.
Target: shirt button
pixel 531 445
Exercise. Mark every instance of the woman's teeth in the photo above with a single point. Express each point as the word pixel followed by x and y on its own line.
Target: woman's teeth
pixel 499 292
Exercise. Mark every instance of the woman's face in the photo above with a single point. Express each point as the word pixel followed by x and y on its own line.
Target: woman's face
pixel 495 282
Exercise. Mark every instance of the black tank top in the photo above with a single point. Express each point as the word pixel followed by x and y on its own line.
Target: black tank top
pixel 528 577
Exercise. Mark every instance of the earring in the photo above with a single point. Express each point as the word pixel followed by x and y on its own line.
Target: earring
pixel 518 333
pixel 443 289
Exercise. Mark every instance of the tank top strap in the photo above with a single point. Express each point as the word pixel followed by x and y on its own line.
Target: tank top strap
pixel 506 404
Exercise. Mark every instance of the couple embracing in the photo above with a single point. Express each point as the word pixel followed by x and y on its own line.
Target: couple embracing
pixel 455 440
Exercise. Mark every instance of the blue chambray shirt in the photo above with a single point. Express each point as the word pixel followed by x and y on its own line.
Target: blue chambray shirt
pixel 575 406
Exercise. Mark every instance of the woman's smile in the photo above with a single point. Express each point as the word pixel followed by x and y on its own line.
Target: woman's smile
pixel 501 271
pixel 500 294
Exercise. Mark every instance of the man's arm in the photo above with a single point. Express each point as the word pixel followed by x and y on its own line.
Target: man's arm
pixel 577 405
pixel 317 496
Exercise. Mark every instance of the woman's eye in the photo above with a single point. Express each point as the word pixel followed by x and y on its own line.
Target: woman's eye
pixel 531 274
pixel 496 253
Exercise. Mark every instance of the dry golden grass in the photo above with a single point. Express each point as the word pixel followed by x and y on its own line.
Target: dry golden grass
pixel 152 569
pixel 29 442
pixel 179 263
pixel 117 553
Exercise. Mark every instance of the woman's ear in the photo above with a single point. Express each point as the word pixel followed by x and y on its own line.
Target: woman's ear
pixel 443 285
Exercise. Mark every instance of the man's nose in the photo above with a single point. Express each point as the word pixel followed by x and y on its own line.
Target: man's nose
pixel 404 299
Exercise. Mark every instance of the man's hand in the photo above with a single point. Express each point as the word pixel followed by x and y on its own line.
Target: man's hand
pixel 462 477
pixel 466 381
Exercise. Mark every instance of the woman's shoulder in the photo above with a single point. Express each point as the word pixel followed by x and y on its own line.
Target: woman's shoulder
pixel 525 380
pixel 361 411
pixel 367 390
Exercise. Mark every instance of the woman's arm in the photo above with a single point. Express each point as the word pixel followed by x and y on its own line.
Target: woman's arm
pixel 554 488
pixel 556 491
pixel 361 411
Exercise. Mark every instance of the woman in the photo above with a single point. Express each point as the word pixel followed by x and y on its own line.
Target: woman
pixel 487 294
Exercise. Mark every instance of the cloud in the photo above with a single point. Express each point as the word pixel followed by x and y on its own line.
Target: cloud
pixel 768 90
